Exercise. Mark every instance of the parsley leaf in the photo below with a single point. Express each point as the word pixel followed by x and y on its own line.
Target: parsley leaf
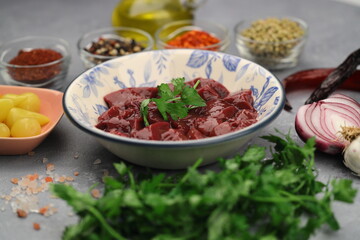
pixel 176 110
pixel 249 198
pixel 176 103
pixel 190 96
pixel 144 109
pixel 165 92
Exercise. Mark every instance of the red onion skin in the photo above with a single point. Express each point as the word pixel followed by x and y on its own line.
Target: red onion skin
pixel 317 119
pixel 320 143
pixel 343 99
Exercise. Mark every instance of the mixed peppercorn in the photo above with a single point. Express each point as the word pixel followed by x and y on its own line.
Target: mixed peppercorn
pixel 114 47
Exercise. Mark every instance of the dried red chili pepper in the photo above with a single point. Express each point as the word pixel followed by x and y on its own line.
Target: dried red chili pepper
pixel 310 79
pixel 194 39
pixel 327 80
pixel 29 60
pixel 336 77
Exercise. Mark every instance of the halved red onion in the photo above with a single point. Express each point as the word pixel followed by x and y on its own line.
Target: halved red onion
pixel 324 119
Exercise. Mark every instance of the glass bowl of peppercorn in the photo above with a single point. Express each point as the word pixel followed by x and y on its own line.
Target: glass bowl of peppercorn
pixel 35 61
pixel 195 34
pixel 273 42
pixel 108 43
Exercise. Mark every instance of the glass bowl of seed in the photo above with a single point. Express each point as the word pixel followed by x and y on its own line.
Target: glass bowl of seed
pixel 273 42
pixel 104 44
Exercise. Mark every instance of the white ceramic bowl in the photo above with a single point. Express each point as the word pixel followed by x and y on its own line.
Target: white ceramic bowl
pixel 83 102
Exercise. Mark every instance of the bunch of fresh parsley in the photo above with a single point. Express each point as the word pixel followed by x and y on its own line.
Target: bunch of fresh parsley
pixel 175 102
pixel 250 198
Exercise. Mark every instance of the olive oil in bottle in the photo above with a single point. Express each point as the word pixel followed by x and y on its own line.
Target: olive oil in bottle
pixel 149 15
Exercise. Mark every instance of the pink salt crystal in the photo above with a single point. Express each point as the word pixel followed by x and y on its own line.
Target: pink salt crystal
pixel 97 161
pixel 50 167
pixel 24 182
pixel 32 153
pixel 105 172
pixel 61 179
pixel 69 179
pixel 95 193
pixel 76 155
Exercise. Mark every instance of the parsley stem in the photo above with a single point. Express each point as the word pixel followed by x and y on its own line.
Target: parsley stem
pixel 132 180
pixel 288 198
pixel 167 184
pixel 173 99
pixel 193 167
pixel 103 222
pixel 196 84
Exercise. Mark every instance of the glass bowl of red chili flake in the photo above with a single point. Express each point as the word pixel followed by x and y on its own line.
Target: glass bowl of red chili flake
pixel 195 34
pixel 35 61
pixel 104 44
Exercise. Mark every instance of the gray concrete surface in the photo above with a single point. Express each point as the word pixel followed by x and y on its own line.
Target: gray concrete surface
pixel 334 32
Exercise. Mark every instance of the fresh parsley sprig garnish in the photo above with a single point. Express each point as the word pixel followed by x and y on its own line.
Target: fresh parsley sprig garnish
pixel 176 103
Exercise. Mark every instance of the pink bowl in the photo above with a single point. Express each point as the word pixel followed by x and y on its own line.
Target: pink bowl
pixel 51 106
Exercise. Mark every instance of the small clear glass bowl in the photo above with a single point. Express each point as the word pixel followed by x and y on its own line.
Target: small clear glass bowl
pixel 48 75
pixel 271 55
pixel 173 29
pixel 121 33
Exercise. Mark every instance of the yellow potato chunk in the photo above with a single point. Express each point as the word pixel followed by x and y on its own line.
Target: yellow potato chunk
pixel 5 106
pixel 17 99
pixel 31 103
pixel 25 127
pixel 19 113
pixel 4 130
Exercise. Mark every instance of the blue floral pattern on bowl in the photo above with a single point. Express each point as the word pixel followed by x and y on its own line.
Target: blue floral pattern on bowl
pixel 159 66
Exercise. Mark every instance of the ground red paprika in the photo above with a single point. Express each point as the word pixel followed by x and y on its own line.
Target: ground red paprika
pixel 194 39
pixel 31 72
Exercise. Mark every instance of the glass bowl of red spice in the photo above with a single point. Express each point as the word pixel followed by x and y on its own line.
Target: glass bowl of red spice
pixel 104 44
pixel 35 61
pixel 195 34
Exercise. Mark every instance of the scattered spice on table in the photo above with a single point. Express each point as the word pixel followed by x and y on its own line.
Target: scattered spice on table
pixel 24 195
pixel 36 226
pixel 97 161
pixel 14 180
pixel 114 47
pixel 195 39
pixel 32 153
pixel 69 179
pixel 50 167
pixel 95 193
pixel 43 210
pixel 273 37
pixel 25 67
pixel 21 213
pixel 49 179
pixel 76 155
